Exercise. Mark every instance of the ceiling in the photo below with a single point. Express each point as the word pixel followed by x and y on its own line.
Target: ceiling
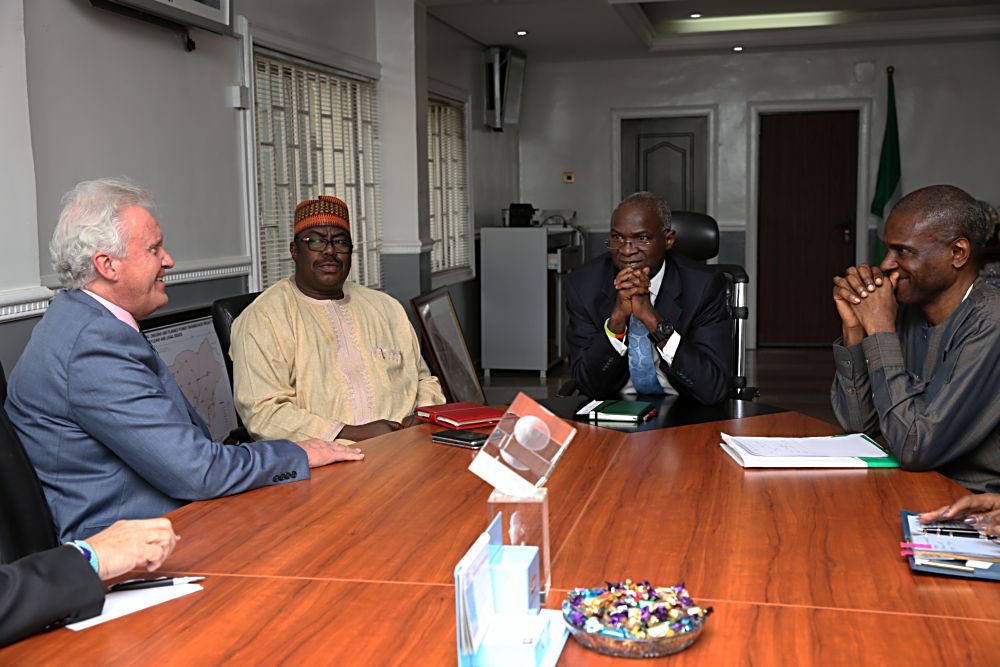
pixel 603 29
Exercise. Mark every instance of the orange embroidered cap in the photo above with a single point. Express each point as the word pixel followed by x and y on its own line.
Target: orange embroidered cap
pixel 321 212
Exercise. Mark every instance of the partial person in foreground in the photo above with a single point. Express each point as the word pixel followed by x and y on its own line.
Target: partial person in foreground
pixel 318 356
pixel 51 588
pixel 981 511
pixel 98 412
pixel 645 320
pixel 919 358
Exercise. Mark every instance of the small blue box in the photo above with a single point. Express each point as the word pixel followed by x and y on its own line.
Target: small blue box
pixel 514 571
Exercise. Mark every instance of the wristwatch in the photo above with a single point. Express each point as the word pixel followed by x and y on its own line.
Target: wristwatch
pixel 662 332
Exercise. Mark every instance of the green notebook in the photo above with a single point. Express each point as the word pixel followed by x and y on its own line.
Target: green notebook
pixel 622 411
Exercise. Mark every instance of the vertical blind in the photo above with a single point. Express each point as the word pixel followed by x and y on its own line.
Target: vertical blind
pixel 451 224
pixel 316 135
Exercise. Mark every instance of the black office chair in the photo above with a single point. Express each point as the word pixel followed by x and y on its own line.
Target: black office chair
pixel 697 238
pixel 25 520
pixel 224 311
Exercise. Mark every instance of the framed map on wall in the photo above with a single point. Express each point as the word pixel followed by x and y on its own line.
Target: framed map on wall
pixel 187 343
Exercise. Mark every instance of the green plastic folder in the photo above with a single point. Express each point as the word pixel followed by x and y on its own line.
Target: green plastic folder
pixel 622 411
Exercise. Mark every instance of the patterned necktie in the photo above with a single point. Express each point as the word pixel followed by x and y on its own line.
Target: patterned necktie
pixel 640 359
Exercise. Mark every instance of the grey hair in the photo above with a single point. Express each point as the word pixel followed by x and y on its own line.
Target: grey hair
pixel 90 222
pixel 654 202
pixel 952 213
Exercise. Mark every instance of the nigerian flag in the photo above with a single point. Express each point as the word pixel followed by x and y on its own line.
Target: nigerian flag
pixel 888 168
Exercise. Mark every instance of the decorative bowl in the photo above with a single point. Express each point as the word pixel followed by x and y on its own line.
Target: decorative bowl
pixel 635 648
pixel 617 619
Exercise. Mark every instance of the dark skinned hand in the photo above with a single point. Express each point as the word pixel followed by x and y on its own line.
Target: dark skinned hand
pixel 369 430
pixel 849 291
pixel 630 283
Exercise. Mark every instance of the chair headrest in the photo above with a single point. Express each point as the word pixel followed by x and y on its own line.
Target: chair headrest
pixel 697 235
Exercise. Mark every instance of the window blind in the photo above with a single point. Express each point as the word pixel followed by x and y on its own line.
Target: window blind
pixel 450 222
pixel 317 134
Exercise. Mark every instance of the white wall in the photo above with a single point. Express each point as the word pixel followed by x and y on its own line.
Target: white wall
pixel 339 26
pixel 109 96
pixel 455 65
pixel 947 96
pixel 18 266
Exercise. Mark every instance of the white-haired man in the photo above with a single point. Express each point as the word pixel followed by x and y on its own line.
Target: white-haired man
pixel 100 416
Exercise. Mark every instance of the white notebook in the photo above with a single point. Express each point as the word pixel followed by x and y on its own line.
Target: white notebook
pixel 837 451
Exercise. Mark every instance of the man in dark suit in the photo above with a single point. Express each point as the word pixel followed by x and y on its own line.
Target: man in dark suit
pixel 51 588
pixel 644 320
pixel 98 411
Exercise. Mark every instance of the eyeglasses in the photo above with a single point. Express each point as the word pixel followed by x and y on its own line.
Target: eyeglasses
pixel 319 244
pixel 617 242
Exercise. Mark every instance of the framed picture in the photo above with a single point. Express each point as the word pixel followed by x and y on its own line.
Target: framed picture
pixel 449 353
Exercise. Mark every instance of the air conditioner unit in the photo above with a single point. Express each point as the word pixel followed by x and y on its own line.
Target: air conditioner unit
pixel 213 15
pixel 504 81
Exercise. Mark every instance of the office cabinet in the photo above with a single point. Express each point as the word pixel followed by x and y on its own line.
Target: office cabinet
pixel 523 311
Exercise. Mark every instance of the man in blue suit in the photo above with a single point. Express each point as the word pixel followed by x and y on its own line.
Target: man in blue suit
pixel 99 413
pixel 643 320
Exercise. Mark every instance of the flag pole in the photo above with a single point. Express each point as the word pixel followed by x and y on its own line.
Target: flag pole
pixel 889 167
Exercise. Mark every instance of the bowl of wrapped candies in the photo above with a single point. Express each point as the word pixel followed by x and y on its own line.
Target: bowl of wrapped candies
pixel 635 620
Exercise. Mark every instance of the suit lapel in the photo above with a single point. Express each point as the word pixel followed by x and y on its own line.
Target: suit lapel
pixel 608 292
pixel 170 386
pixel 172 390
pixel 668 300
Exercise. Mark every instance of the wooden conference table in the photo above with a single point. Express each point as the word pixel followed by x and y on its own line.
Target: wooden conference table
pixel 354 567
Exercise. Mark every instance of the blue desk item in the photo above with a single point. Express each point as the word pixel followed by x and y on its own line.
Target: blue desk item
pixel 514 571
pixel 498 618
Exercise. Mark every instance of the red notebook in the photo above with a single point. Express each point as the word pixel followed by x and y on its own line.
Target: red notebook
pixel 462 415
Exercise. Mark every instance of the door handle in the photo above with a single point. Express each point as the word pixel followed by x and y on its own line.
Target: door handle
pixel 848 234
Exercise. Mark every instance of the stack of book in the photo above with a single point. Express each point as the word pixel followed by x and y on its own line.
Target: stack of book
pixel 462 415
pixel 620 411
pixel 949 548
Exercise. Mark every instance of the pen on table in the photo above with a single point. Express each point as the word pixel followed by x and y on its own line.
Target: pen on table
pixel 136 584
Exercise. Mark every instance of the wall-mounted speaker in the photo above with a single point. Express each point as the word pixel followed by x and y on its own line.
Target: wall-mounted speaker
pixel 504 81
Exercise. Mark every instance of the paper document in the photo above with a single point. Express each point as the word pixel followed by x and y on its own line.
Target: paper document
pixel 965 546
pixel 841 451
pixel 122 603
pixel 847 445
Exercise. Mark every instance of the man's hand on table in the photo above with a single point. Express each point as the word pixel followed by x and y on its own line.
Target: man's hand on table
pixel 321 453
pixel 369 430
pixel 983 510
pixel 128 545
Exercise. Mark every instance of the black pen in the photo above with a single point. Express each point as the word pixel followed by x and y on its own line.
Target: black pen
pixel 136 584
pixel 954 532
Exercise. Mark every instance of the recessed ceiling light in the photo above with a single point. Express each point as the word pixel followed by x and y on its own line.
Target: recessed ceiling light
pixel 696 16
pixel 737 49
pixel 522 33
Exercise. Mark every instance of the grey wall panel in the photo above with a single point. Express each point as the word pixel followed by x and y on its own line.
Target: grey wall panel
pixel 14 336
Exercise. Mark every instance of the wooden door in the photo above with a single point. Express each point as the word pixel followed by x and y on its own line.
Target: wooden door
pixel 807 206
pixel 667 156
